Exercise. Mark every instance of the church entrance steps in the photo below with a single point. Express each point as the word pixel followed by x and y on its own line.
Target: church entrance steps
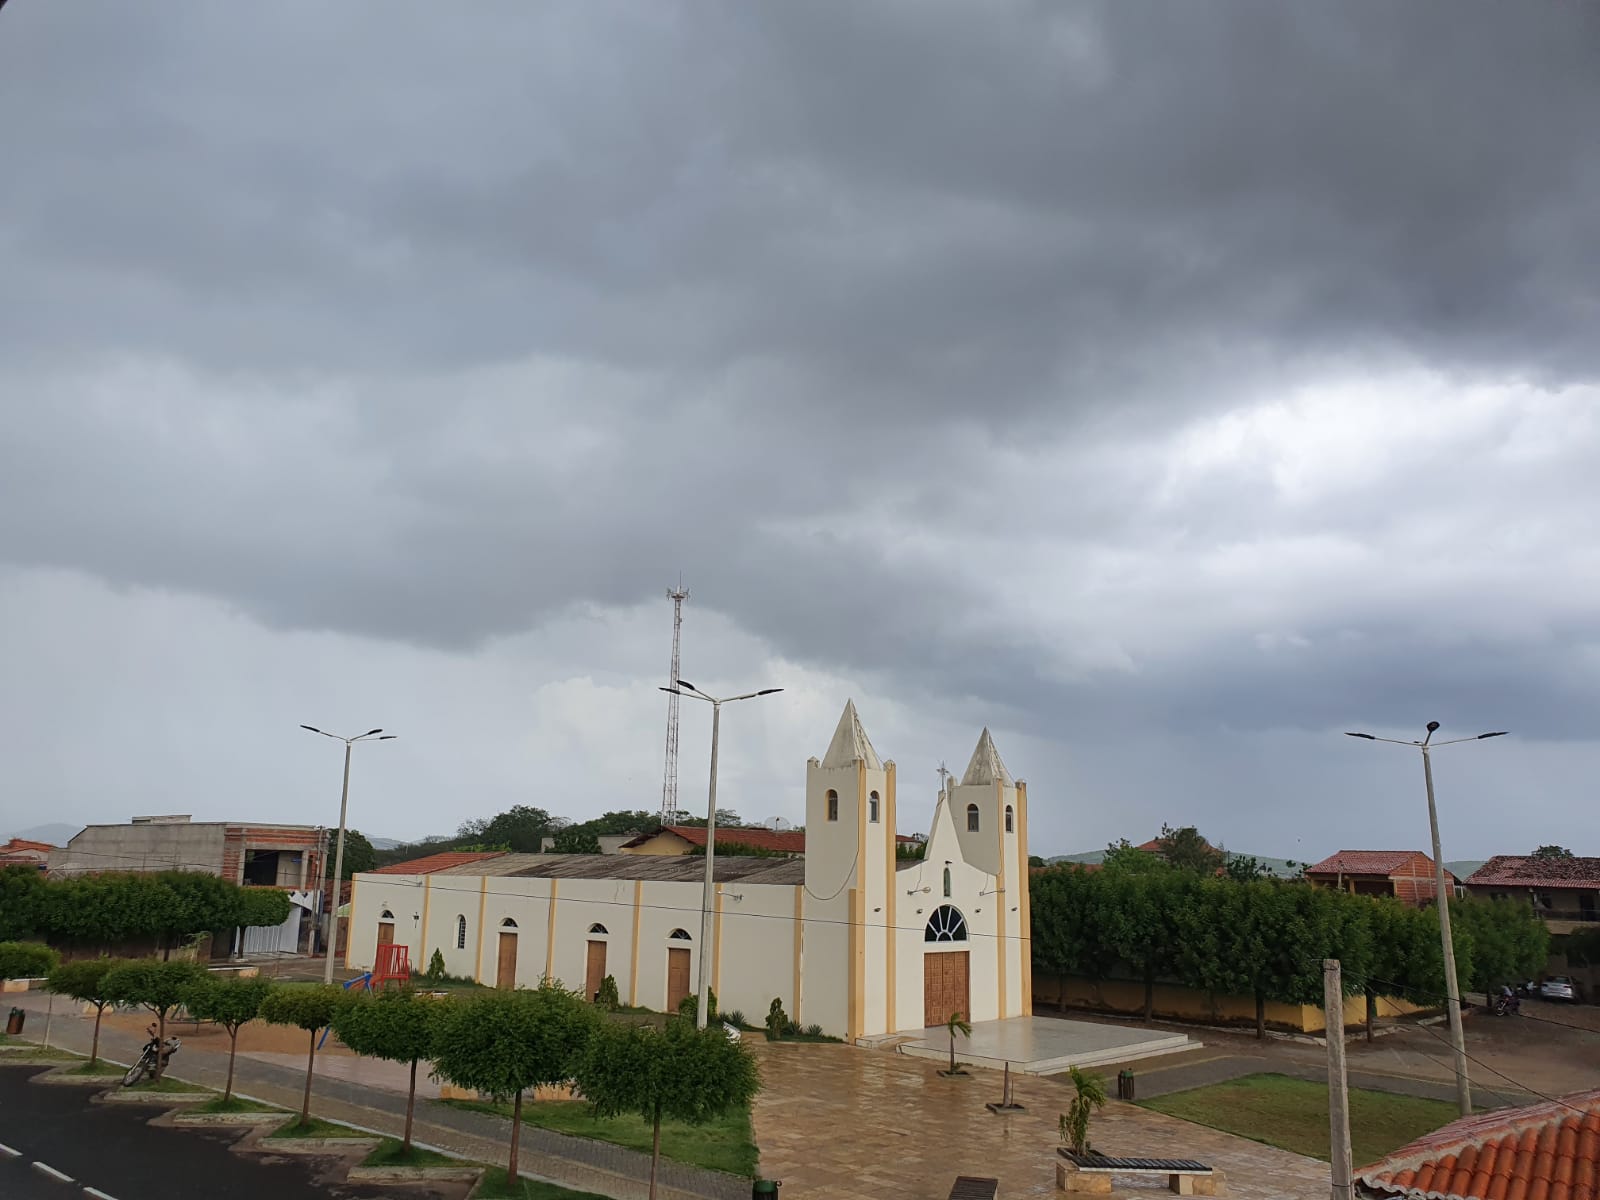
pixel 1039 1045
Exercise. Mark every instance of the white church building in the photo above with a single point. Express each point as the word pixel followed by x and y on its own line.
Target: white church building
pixel 847 937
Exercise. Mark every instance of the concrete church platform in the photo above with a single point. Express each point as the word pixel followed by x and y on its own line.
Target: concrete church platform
pixel 1038 1045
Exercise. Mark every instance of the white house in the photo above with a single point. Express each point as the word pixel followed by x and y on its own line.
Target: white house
pixel 848 937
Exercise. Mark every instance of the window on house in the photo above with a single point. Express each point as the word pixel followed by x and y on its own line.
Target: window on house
pixel 1010 827
pixel 872 808
pixel 507 923
pixel 597 928
pixel 461 933
pixel 833 805
pixel 972 818
pixel 681 935
pixel 946 925
pixel 947 883
pixel 386 915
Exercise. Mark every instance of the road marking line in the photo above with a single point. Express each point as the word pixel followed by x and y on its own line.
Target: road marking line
pixel 52 1172
pixel 9 1152
pixel 97 1193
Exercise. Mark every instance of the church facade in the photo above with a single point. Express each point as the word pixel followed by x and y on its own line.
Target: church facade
pixel 849 937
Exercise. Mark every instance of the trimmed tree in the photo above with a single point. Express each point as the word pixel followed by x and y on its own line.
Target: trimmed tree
pixel 308 1008
pixel 26 960
pixel 231 1003
pixel 85 980
pixel 156 985
pixel 682 1073
pixel 502 1043
pixel 401 1026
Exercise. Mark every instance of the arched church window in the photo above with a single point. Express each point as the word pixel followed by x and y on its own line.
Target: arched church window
pixel 833 805
pixel 597 928
pixel 681 935
pixel 1010 827
pixel 946 925
pixel 508 923
pixel 972 818
pixel 872 808
pixel 947 883
pixel 461 933
pixel 386 915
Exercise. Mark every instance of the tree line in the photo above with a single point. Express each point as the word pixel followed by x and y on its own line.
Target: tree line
pixel 1143 919
pixel 498 1043
pixel 106 911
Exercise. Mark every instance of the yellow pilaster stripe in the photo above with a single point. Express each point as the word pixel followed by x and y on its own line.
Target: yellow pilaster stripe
pixel 716 946
pixel 550 934
pixel 858 904
pixel 891 890
pixel 350 922
pixel 799 944
pixel 1024 906
pixel 483 902
pixel 1003 944
pixel 633 968
pixel 427 901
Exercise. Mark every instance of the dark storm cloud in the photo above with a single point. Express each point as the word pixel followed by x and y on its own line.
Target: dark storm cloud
pixel 874 319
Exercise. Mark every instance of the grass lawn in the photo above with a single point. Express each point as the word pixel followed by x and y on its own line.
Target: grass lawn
pixel 389 1154
pixel 316 1128
pixel 110 1070
pixel 494 1187
pixel 726 1144
pixel 166 1084
pixel 1292 1114
pixel 18 1048
pixel 233 1104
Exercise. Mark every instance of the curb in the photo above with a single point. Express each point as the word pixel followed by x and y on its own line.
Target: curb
pixel 413 1174
pixel 316 1145
pixel 124 1096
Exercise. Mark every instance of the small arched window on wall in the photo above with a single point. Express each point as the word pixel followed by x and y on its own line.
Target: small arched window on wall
pixel 946 925
pixel 833 805
pixel 947 883
pixel 679 935
pixel 461 933
pixel 872 808
pixel 972 818
pixel 1010 820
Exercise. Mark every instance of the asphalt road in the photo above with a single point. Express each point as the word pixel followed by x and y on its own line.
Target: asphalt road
pixel 110 1152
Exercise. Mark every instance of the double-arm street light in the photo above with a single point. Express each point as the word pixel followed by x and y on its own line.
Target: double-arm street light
pixel 684 688
pixel 338 855
pixel 1452 992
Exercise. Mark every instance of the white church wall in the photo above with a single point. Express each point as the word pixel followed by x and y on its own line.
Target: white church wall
pixel 373 895
pixel 756 961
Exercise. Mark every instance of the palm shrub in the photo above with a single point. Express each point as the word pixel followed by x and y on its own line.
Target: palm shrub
pixel 1089 1095
pixel 956 1025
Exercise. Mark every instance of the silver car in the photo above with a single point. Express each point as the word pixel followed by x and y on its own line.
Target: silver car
pixel 1557 987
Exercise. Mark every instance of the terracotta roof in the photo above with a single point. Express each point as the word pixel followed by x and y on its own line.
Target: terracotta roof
pixel 1523 870
pixel 443 861
pixel 1368 862
pixel 1547 1151
pixel 16 844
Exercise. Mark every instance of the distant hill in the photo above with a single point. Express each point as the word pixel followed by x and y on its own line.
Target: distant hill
pixel 384 843
pixel 56 834
pixel 1463 867
pixel 1277 866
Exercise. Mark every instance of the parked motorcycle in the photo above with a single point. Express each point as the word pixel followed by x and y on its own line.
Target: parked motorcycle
pixel 148 1059
pixel 1506 1006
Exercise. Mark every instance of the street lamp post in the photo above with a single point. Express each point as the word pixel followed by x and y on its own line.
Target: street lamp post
pixel 338 854
pixel 683 688
pixel 1458 1038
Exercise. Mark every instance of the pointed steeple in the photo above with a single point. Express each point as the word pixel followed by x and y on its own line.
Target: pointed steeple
pixel 850 742
pixel 986 767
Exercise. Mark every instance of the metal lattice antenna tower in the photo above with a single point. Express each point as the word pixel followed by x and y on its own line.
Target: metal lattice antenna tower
pixel 669 775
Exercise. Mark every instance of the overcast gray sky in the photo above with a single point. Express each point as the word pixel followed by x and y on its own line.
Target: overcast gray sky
pixel 1168 387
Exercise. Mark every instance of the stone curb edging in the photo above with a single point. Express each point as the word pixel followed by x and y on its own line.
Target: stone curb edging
pixel 193 1120
pixel 403 1174
pixel 125 1096
pixel 315 1145
pixel 66 1073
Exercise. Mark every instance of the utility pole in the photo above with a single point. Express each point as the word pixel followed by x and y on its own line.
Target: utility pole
pixel 1338 1091
pixel 669 774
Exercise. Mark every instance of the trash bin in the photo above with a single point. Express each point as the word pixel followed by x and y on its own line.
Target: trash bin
pixel 15 1020
pixel 764 1187
pixel 1125 1086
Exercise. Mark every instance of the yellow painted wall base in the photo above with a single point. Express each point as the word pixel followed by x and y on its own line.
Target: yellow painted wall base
pixel 1174 1003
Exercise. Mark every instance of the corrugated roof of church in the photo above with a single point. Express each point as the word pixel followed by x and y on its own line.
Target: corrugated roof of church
pixel 850 742
pixel 667 868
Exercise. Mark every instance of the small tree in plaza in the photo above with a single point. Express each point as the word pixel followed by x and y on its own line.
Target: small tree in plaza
pixel 1089 1095
pixel 26 960
pixel 400 1026
pixel 156 985
pixel 231 1003
pixel 308 1008
pixel 85 980
pixel 502 1043
pixel 683 1073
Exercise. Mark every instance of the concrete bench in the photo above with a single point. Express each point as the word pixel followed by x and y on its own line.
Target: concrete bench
pixel 1092 1174
pixel 974 1187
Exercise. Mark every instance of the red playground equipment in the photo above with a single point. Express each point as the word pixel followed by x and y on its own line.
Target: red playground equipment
pixel 393 965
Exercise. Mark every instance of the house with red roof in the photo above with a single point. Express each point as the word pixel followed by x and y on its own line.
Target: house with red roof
pixel 1545 1151
pixel 1407 875
pixel 20 852
pixel 1565 892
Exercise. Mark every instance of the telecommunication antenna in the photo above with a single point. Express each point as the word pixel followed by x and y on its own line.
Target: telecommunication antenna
pixel 669 776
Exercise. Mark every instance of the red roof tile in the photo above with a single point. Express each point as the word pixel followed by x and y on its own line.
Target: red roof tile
pixel 16 844
pixel 1524 870
pixel 1368 862
pixel 430 863
pixel 1549 1150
